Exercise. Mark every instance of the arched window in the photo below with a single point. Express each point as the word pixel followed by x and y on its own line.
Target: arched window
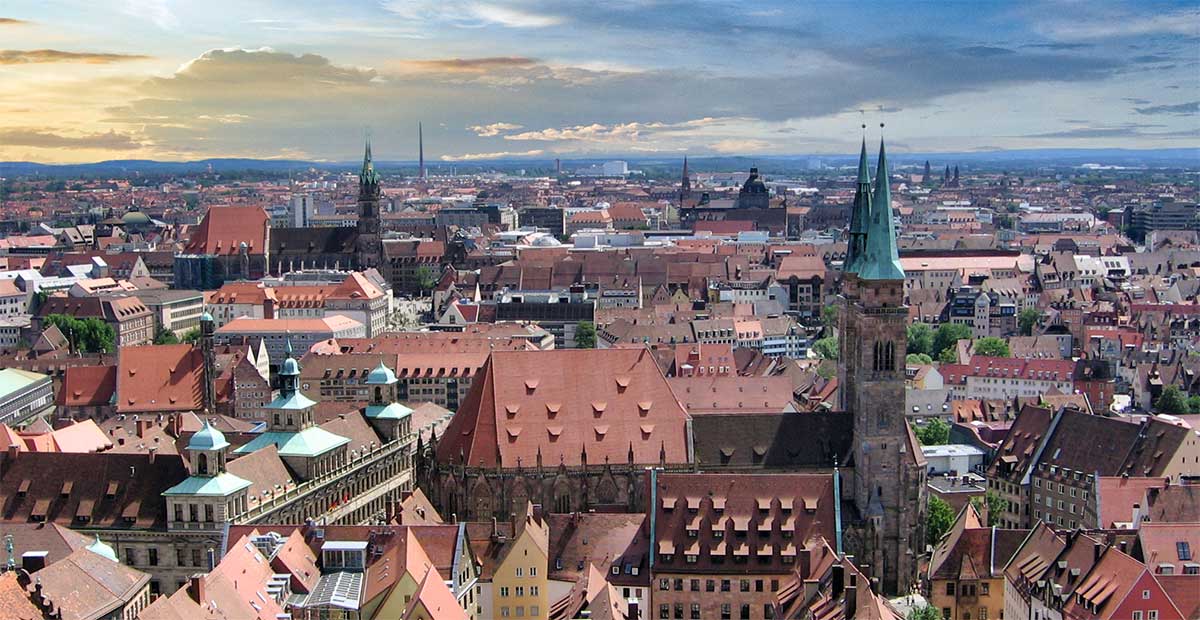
pixel 202 463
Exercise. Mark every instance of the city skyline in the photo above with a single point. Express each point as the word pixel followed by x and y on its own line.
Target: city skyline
pixel 301 80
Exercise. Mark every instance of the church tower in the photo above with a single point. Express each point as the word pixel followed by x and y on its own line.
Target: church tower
pixel 368 250
pixel 889 477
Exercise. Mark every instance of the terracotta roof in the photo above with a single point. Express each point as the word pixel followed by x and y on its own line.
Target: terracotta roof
pixel 87 386
pixel 157 378
pixel 266 472
pixel 224 229
pixel 16 600
pixel 86 584
pixel 603 540
pixel 56 540
pixel 734 394
pixel 109 489
pixel 789 508
pixel 561 403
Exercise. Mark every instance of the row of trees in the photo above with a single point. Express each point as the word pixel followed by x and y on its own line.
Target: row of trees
pixel 90 335
pixel 926 344
pixel 1174 401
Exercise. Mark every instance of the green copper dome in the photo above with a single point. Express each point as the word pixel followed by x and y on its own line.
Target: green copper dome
pixel 207 438
pixel 102 549
pixel 382 375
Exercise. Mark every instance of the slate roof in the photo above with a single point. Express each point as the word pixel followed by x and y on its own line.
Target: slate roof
pixel 775 440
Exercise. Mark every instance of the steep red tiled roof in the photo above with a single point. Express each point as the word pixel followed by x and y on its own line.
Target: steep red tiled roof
pixel 86 584
pixel 101 489
pixel 224 229
pixel 87 386
pixel 561 403
pixel 160 378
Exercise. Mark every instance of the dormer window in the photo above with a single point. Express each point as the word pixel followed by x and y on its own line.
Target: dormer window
pixel 343 556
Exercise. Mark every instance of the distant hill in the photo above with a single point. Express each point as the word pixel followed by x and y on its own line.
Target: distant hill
pixel 1181 157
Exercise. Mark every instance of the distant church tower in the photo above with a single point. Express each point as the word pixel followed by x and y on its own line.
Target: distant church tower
pixel 889 471
pixel 685 183
pixel 420 152
pixel 368 249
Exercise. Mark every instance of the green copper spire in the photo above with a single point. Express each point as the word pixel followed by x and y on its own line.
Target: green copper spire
pixel 881 260
pixel 860 214
pixel 368 179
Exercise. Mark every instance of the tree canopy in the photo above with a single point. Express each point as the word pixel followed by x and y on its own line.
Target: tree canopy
pixel 1027 320
pixel 947 337
pixel 1172 400
pixel 918 358
pixel 933 433
pixel 89 335
pixel 166 336
pixel 826 348
pixel 925 612
pixel 920 339
pixel 585 335
pixel 938 519
pixel 992 347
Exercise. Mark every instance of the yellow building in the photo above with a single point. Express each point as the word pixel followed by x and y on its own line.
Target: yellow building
pixel 966 572
pixel 519 583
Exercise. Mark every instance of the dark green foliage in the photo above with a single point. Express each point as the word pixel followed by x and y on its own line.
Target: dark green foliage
pixel 585 335
pixel 90 335
pixel 826 348
pixel 920 339
pixel 947 337
pixel 992 347
pixel 933 433
pixel 938 519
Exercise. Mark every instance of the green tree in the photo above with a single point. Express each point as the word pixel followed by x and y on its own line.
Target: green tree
pixel 1027 320
pixel 995 506
pixel 1194 404
pixel 826 348
pixel 992 347
pixel 938 519
pixel 192 336
pixel 948 356
pixel 926 612
pixel 165 336
pixel 933 433
pixel 920 339
pixel 585 335
pixel 426 278
pixel 829 319
pixel 90 335
pixel 1172 401
pixel 947 337
pixel 920 359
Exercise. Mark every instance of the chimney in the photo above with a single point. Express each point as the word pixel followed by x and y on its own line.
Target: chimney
pixel 33 561
pixel 195 588
pixel 1097 551
pixel 13 451
pixel 838 580
pixel 153 453
pixel 1134 518
pixel 142 427
pixel 850 601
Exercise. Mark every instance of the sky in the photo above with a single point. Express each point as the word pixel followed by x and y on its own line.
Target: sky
pixel 89 80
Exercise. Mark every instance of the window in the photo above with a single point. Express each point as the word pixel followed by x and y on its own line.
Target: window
pixel 695 611
pixel 196 558
pixel 1152 614
pixel 695 585
pixel 744 586
pixel 679 611
pixel 520 571
pixel 130 558
pixel 1137 615
pixel 745 615
pixel 533 571
pixel 758 585
pixel 983 613
pixel 724 585
pixel 503 591
pixel 664 611
pixel 664 584
pixel 520 590
pixel 152 557
pixel 1145 594
pixel 710 585
pixel 949 588
pixel 533 590
pixel 533 611
pixel 504 612
pixel 725 611
pixel 678 585
pixel 984 588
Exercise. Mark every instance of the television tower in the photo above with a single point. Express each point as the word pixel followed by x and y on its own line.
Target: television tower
pixel 420 151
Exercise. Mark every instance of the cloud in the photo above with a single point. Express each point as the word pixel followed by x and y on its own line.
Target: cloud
pixel 1182 109
pixel 494 129
pixel 1125 130
pixel 1098 24
pixel 620 132
pixel 735 145
pixel 47 139
pixel 471 14
pixel 985 51
pixel 495 155
pixel 21 57
pixel 155 11
pixel 12 21
pixel 467 65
